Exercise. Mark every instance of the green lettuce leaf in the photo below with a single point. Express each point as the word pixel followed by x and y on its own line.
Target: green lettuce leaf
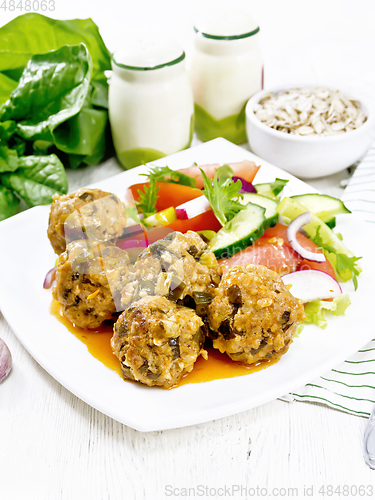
pixel 18 144
pixel 7 85
pixel 346 266
pixel 33 33
pixel 99 94
pixel 316 311
pixel 55 105
pixel 53 88
pixel 7 129
pixel 53 99
pixel 8 159
pixel 220 192
pixel 81 134
pixel 9 203
pixel 37 179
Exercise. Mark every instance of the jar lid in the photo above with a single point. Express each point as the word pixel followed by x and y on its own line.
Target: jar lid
pixel 226 25
pixel 145 54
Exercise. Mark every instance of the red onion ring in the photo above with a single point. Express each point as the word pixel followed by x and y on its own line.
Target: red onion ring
pixel 50 277
pixel 291 234
pixel 247 187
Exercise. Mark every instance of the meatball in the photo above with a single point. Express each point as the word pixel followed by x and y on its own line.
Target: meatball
pixel 89 279
pixel 157 341
pixel 98 215
pixel 253 315
pixel 178 267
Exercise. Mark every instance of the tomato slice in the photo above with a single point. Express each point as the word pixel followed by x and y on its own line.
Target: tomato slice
pixel 274 251
pixel 207 220
pixel 169 194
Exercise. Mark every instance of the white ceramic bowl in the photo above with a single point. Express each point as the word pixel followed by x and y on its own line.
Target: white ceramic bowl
pixel 310 156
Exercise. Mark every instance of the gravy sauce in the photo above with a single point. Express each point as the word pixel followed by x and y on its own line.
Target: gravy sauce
pixel 218 365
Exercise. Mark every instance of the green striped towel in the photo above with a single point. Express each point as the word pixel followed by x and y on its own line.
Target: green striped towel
pixel 348 387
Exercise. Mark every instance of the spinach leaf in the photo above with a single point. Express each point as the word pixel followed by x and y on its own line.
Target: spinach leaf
pixel 9 203
pixel 76 161
pixel 99 95
pixel 53 99
pixel 7 129
pixel 7 85
pixel 80 134
pixel 41 147
pixel 8 159
pixel 53 88
pixel 37 179
pixel 18 144
pixel 59 105
pixel 33 33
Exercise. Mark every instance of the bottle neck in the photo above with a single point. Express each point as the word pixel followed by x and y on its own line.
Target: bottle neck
pixel 149 75
pixel 222 47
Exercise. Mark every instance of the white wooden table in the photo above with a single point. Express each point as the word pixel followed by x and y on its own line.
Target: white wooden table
pixel 53 446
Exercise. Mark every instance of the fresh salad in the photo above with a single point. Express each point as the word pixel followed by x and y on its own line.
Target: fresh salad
pixel 245 223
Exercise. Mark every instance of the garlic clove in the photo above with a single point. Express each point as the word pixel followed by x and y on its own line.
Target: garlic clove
pixel 5 360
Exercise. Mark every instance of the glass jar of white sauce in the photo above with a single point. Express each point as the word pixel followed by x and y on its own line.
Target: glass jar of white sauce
pixel 151 106
pixel 226 70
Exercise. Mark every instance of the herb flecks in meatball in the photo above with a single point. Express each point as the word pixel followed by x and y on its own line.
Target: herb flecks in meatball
pixel 86 214
pixel 89 279
pixel 157 341
pixel 253 315
pixel 178 267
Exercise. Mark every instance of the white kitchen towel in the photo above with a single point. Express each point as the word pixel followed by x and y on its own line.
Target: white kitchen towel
pixel 350 387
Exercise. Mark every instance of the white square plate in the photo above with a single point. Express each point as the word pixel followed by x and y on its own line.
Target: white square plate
pixel 26 256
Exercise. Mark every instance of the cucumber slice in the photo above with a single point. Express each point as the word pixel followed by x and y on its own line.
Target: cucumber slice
pixel 323 206
pixel 271 189
pixel 241 232
pixel 272 217
pixel 291 208
pixel 331 222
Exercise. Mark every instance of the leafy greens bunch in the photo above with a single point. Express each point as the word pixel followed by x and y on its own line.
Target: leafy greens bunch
pixel 345 266
pixel 53 106
pixel 223 193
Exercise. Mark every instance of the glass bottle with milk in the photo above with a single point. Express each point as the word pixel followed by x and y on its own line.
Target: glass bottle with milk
pixel 151 105
pixel 226 70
